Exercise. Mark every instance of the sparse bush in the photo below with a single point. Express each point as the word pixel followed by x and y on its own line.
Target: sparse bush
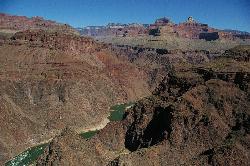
pixel 154 32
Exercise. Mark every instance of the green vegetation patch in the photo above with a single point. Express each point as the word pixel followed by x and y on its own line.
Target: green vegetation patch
pixel 89 134
pixel 28 156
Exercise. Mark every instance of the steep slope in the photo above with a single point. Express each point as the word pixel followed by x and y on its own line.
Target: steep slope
pixel 192 118
pixel 69 148
pixel 51 80
pixel 207 126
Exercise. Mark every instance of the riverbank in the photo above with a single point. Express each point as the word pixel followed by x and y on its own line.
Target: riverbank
pixel 100 126
pixel 30 155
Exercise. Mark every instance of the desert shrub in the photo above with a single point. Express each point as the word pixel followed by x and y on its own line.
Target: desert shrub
pixel 154 32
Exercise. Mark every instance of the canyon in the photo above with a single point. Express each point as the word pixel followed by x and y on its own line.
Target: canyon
pixel 190 95
pixel 192 118
pixel 50 80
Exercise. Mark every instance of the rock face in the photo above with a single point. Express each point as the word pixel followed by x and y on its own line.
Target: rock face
pixel 191 29
pixel 189 122
pixel 161 22
pixel 115 30
pixel 239 53
pixel 164 27
pixel 65 42
pixel 156 62
pixel 69 148
pixel 198 130
pixel 20 23
pixel 209 36
pixel 192 118
pixel 52 80
pixel 195 30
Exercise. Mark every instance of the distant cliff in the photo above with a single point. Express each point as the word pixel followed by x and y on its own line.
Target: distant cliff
pixel 190 29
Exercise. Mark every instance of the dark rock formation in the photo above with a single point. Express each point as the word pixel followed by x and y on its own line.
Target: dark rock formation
pixel 149 131
pixel 209 36
pixel 239 53
pixel 69 148
pixel 206 125
pixel 162 51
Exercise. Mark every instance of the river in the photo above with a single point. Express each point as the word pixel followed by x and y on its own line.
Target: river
pixel 31 154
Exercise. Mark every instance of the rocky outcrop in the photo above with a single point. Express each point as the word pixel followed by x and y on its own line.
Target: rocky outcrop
pixel 161 22
pixel 205 126
pixel 120 30
pixel 239 53
pixel 21 23
pixel 69 148
pixel 191 30
pixel 209 36
pixel 156 62
pixel 164 27
pixel 160 55
pixel 56 40
pixel 202 122
pixel 192 118
pixel 241 79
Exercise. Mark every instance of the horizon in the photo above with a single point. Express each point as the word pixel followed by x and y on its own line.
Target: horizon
pixel 78 14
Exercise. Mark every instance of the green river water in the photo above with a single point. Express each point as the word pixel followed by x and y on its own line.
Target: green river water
pixel 30 155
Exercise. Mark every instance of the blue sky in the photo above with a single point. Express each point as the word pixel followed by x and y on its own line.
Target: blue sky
pixel 224 14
